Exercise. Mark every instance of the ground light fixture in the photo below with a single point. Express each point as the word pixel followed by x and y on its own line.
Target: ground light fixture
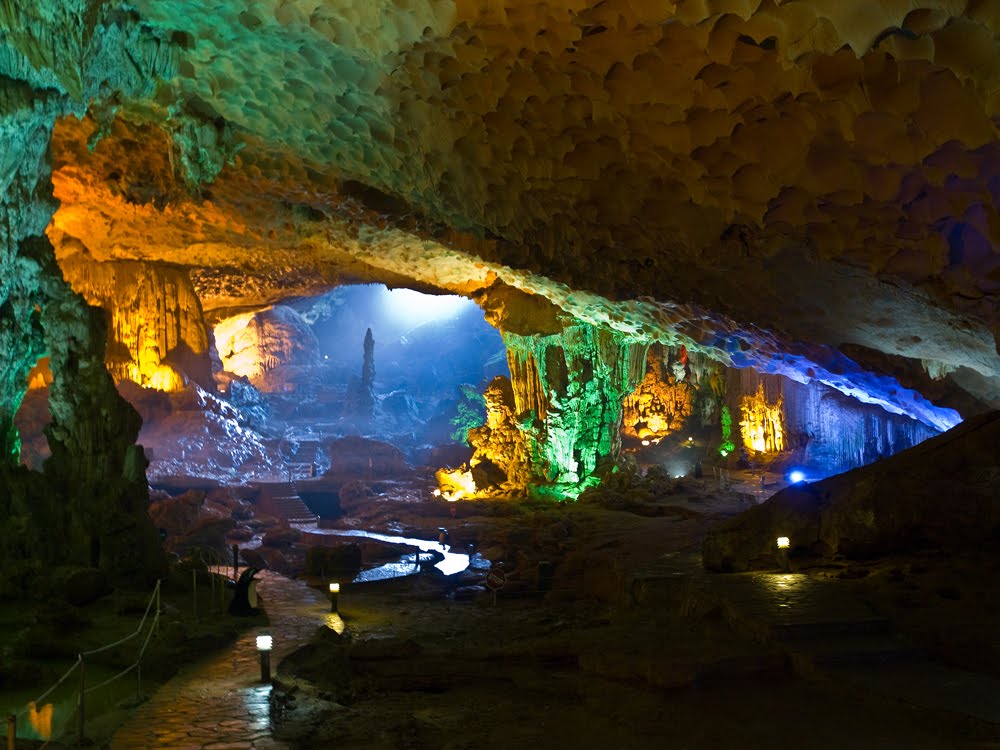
pixel 334 596
pixel 264 644
pixel 796 476
pixel 783 544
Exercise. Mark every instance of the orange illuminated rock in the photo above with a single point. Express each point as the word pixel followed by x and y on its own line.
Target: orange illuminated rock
pixel 662 402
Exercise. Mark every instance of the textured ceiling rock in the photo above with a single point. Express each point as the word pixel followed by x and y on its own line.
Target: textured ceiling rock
pixel 764 181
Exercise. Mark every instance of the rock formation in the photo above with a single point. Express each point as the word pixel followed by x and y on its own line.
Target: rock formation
pixel 88 507
pixel 253 344
pixel 500 461
pixel 802 189
pixel 940 494
pixel 157 337
pixel 568 392
pixel 663 401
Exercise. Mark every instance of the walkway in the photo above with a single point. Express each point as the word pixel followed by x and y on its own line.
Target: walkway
pixel 220 703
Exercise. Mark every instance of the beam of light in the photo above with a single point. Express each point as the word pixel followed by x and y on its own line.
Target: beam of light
pixel 407 307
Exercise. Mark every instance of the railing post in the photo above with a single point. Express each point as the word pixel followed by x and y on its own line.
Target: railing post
pixel 80 704
pixel 11 731
pixel 194 588
pixel 236 561
pixel 156 616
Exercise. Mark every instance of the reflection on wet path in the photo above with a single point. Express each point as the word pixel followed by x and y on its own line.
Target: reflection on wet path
pixel 220 702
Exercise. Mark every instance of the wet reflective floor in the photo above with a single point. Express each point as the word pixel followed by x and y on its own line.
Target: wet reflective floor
pixel 221 703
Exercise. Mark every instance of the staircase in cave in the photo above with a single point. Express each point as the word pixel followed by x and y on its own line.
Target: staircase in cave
pixel 282 499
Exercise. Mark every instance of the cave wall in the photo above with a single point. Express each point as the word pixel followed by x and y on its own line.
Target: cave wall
pixel 253 344
pixel 88 507
pixel 824 432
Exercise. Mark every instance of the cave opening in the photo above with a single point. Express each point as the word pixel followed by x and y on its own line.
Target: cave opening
pixel 288 382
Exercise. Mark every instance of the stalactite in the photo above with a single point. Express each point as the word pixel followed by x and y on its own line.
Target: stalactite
pixel 662 401
pixel 157 335
pixel 569 389
pixel 824 431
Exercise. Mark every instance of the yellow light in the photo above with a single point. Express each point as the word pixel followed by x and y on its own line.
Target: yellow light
pixel 264 642
pixel 334 588
pixel 455 484
pixel 645 442
pixel 783 542
pixel 761 425
pixel 40 720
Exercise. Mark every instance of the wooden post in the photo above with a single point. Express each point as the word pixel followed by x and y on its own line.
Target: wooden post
pixel 11 731
pixel 80 704
pixel 236 562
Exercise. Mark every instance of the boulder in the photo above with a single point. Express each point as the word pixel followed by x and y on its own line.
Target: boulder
pixel 940 494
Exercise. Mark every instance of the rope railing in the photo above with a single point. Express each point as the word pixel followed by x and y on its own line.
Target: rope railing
pixel 80 664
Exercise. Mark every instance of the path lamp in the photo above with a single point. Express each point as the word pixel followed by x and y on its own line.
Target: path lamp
pixel 334 597
pixel 264 643
pixel 783 544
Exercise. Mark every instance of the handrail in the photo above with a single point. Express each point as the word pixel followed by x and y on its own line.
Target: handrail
pixel 79 663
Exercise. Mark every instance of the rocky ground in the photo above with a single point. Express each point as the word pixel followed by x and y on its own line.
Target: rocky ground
pixel 576 653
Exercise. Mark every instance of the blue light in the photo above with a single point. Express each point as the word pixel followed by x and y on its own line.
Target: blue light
pixel 796 476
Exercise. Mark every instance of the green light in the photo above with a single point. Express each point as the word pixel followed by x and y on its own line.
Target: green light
pixel 569 387
pixel 727 446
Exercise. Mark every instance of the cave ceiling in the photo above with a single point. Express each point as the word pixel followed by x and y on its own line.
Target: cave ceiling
pixel 775 183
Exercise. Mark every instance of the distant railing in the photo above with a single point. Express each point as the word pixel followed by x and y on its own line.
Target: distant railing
pixel 43 716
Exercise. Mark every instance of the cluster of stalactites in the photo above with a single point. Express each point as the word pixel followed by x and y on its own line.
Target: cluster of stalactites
pixel 157 329
pixel 762 425
pixel 568 390
pixel 664 399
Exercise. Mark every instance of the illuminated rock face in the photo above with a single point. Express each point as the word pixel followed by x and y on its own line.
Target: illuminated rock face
pixel 568 392
pixel 500 460
pixel 663 400
pixel 821 431
pixel 762 423
pixel 157 337
pixel 255 343
pixel 760 182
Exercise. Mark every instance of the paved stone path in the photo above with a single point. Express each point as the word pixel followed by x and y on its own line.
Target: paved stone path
pixel 220 703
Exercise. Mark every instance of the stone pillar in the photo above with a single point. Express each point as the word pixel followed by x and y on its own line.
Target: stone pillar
pixel 568 390
pixel 89 505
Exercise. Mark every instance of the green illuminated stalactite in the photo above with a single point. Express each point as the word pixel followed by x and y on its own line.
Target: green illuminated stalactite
pixel 726 447
pixel 569 389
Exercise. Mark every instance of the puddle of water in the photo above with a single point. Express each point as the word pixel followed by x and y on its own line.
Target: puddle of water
pixel 453 562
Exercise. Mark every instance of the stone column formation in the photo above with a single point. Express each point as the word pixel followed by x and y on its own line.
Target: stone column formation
pixel 88 507
pixel 568 390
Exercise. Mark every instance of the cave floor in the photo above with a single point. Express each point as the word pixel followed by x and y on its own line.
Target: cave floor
pixel 630 644
pixel 221 702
